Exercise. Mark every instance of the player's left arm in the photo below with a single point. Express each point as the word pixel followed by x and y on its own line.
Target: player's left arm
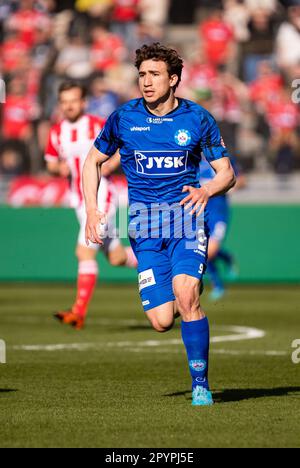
pixel 223 181
pixel 215 152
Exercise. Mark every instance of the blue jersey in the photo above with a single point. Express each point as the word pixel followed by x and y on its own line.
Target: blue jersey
pixel 159 155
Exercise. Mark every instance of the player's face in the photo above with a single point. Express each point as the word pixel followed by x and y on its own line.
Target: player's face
pixel 72 104
pixel 154 81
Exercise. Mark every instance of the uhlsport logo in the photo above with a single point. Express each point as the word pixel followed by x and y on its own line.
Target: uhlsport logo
pixel 2 352
pixel 140 129
pixel 161 163
pixel 198 366
pixel 183 137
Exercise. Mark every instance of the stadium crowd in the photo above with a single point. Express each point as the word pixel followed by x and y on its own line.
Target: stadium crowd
pixel 241 65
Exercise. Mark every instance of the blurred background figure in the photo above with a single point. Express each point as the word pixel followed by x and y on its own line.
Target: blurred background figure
pixel 102 101
pixel 238 55
pixel 288 42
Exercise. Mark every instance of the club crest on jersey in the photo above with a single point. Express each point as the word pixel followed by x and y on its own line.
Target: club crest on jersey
pixel 161 163
pixel 183 137
pixel 198 366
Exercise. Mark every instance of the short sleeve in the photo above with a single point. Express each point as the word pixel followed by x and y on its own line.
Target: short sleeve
pixel 108 141
pixel 52 153
pixel 212 144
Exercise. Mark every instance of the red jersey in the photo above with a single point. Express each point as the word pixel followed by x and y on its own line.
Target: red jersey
pixel 26 22
pixel 282 115
pixel 17 112
pixel 201 76
pixel 217 36
pixel 72 142
pixel 265 89
pixel 125 10
pixel 12 53
pixel 107 52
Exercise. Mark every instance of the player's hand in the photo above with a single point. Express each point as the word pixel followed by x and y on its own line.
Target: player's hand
pixel 93 227
pixel 196 200
pixel 64 170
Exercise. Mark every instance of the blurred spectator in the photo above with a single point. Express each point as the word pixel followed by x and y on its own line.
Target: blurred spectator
pixel 267 5
pixel 154 15
pixel 12 51
pixel 229 96
pixel 96 8
pixel 26 20
pixel 42 49
pixel 74 60
pixel 45 41
pixel 260 45
pixel 266 87
pixel 17 112
pixel 237 15
pixel 217 37
pixel 7 7
pixel 14 159
pixel 102 101
pixel 107 49
pixel 288 42
pixel 283 119
pixel 200 74
pixel 124 23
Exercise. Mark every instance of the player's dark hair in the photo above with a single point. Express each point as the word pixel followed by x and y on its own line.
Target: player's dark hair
pixel 159 52
pixel 71 84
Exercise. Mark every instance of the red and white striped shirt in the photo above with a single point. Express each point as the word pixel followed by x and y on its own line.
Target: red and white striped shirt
pixel 71 142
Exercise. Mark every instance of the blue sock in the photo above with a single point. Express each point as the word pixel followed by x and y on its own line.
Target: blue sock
pixel 195 336
pixel 212 270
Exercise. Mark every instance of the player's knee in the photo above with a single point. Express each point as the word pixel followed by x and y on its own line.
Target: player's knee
pixel 84 253
pixel 117 258
pixel 116 261
pixel 161 329
pixel 161 326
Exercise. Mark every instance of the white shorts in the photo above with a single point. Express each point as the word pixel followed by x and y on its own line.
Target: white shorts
pixel 107 203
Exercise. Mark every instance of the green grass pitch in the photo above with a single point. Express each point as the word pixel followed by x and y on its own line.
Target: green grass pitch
pixel 120 384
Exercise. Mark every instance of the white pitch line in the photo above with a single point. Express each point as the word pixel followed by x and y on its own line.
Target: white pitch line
pixel 241 334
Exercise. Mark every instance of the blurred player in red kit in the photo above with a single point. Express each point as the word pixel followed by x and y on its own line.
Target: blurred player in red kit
pixel 68 145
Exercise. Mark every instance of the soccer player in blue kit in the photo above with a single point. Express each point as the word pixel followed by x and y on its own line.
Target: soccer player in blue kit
pixel 161 138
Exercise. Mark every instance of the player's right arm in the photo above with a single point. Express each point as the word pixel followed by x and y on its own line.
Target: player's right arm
pixel 105 147
pixel 91 177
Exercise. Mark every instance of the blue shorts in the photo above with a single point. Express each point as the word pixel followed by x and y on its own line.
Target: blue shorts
pixel 161 258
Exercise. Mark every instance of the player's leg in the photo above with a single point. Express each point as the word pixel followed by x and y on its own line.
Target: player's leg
pixel 162 317
pixel 189 257
pixel 119 255
pixel 218 288
pixel 218 232
pixel 195 335
pixel 230 262
pixel 155 286
pixel 86 278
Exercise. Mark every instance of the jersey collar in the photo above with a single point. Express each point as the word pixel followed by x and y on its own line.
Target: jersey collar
pixel 165 115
